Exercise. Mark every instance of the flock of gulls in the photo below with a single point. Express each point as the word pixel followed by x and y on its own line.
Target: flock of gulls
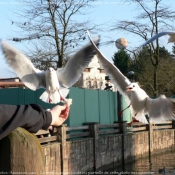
pixel 57 82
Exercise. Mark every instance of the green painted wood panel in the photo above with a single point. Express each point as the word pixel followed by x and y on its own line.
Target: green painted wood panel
pixel 30 97
pixel 21 95
pixel 113 108
pixel 77 110
pixel 88 105
pixel 104 107
pixel 91 105
pixel 126 114
pixel 9 96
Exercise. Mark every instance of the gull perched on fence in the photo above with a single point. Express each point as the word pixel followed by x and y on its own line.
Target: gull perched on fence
pixel 159 109
pixel 57 82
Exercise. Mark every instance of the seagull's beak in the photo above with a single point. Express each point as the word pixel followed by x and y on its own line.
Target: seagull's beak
pixel 128 89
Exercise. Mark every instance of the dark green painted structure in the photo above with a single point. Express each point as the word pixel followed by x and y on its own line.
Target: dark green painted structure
pixel 92 106
pixel 88 105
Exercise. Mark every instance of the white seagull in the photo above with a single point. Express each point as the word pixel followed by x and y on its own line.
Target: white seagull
pixel 57 82
pixel 159 109
pixel 156 36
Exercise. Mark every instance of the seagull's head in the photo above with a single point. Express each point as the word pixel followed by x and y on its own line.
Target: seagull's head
pixel 132 87
pixel 50 69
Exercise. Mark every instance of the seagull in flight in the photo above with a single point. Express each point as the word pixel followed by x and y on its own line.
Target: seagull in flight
pixel 156 36
pixel 55 82
pixel 158 109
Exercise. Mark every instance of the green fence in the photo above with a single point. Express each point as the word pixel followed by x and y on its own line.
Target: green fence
pixel 88 105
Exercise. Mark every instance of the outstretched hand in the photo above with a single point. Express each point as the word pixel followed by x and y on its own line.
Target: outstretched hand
pixel 59 114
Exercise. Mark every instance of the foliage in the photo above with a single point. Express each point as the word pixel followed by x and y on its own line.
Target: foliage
pixel 121 59
pixel 144 71
pixel 173 49
pixel 153 18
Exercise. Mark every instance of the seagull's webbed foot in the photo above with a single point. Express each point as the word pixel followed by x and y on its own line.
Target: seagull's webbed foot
pixel 133 120
pixel 121 112
pixel 130 124
pixel 62 99
pixel 50 100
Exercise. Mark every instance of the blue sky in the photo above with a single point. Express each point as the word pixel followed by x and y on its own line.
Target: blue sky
pixel 105 11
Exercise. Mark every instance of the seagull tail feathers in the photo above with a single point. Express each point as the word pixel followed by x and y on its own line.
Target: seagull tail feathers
pixel 64 91
pixel 50 98
pixel 45 97
pixel 55 97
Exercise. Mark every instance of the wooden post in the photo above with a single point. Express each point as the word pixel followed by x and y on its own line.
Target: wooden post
pixel 119 105
pixel 123 131
pixel 173 124
pixel 150 136
pixel 62 139
pixel 122 127
pixel 173 127
pixel 149 128
pixel 94 129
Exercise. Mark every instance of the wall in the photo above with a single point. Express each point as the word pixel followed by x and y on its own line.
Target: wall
pixel 108 152
pixel 84 155
pixel 136 145
pixel 162 140
pixel 79 155
pixel 52 157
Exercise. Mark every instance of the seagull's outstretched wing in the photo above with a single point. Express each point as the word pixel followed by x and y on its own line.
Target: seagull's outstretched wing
pixel 68 75
pixel 171 39
pixel 116 76
pixel 23 67
pixel 161 109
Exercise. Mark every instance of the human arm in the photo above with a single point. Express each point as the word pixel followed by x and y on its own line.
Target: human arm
pixel 31 117
pixel 59 114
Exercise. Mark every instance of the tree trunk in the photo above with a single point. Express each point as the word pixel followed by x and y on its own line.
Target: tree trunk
pixel 155 82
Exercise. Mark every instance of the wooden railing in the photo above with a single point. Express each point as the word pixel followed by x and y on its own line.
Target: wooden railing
pixel 163 125
pixel 81 131
pixel 45 136
pixel 137 127
pixel 108 129
pixel 95 130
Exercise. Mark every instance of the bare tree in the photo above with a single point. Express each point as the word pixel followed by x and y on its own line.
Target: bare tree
pixel 54 28
pixel 155 17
